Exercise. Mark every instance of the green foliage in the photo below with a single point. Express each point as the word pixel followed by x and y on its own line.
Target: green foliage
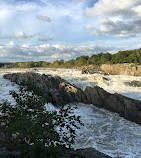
pixel 131 56
pixel 29 128
pixel 81 61
pixel 106 57
pixel 95 59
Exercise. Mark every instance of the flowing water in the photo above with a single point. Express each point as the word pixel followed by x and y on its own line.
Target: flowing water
pixel 103 130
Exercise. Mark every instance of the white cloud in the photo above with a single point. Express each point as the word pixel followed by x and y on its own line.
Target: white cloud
pixel 20 34
pixel 82 0
pixel 113 7
pixel 59 20
pixel 17 35
pixel 43 18
pixel 116 17
pixel 47 52
pixel 44 39
pixel 11 43
pixel 25 46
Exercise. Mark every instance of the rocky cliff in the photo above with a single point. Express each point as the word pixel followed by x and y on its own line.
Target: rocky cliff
pixel 61 92
pixel 126 69
pixel 114 69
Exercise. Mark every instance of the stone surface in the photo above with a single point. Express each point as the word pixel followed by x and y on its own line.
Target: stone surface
pixel 133 83
pixel 85 153
pixel 4 153
pixel 125 69
pixel 67 152
pixel 62 92
pixel 103 81
pixel 113 69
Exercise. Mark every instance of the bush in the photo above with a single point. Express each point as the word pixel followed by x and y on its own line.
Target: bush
pixel 29 128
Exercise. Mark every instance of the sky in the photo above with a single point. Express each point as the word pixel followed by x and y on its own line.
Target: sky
pixel 48 30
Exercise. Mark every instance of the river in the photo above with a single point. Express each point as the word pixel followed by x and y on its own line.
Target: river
pixel 103 130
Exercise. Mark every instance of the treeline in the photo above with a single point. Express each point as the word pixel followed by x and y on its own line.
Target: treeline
pixel 131 56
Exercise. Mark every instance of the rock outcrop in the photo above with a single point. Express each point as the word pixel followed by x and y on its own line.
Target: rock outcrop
pixel 113 69
pixel 102 81
pixel 62 92
pixel 84 153
pixel 67 152
pixel 133 83
pixel 90 69
pixel 117 69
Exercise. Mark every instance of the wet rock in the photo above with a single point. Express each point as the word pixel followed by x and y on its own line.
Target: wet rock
pixel 133 83
pixel 85 153
pixel 33 70
pixel 62 92
pixel 102 81
pixel 89 70
pixel 67 152
pixel 57 89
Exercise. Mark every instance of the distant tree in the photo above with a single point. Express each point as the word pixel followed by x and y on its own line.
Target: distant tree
pixel 55 63
pixel 45 64
pixel 106 57
pixel 82 60
pixel 70 63
pixel 61 62
pixel 129 56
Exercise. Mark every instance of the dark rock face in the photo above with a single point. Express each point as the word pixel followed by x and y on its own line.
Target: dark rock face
pixel 89 70
pixel 68 152
pixel 58 90
pixel 4 153
pixel 133 83
pixel 85 153
pixel 62 92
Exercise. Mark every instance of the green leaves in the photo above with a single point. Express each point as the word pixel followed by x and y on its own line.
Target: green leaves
pixel 29 128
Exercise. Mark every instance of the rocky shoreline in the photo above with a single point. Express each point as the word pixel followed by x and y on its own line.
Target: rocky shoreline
pixel 69 152
pixel 62 92
pixel 114 69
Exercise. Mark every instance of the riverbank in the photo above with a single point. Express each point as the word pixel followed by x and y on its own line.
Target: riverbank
pixel 131 69
pixel 114 69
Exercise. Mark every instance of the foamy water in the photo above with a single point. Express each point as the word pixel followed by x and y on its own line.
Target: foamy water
pixel 103 130
pixel 114 85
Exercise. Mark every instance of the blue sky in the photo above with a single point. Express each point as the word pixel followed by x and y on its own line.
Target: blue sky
pixel 54 29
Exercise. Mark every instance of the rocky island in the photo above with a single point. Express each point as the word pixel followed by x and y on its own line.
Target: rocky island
pixel 60 92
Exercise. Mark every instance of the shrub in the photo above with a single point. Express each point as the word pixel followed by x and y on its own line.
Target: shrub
pixel 27 127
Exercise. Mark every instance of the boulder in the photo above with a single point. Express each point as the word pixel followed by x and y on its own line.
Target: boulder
pixel 102 81
pixel 133 83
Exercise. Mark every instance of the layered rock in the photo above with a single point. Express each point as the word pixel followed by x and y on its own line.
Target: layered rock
pixel 113 69
pixel 91 69
pixel 126 68
pixel 133 83
pixel 61 92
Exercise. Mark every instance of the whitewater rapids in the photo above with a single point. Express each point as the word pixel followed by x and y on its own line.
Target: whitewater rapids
pixel 103 130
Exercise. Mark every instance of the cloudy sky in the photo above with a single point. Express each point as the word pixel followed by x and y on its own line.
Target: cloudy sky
pixel 47 30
